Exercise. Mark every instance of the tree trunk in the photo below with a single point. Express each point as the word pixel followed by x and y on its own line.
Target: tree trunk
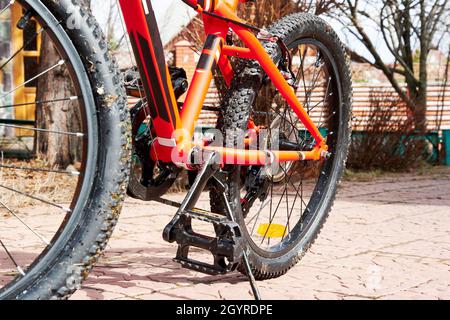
pixel 420 114
pixel 417 93
pixel 59 150
pixel 420 110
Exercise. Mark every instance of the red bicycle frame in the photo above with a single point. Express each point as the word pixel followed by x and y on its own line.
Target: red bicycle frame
pixel 175 129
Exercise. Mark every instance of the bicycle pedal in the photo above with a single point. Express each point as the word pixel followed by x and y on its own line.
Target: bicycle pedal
pixel 206 216
pixel 200 267
pixel 225 247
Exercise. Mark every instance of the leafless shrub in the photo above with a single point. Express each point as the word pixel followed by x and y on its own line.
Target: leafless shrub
pixel 385 137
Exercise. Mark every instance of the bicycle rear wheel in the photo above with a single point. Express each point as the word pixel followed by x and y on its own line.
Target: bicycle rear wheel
pixel 282 209
pixel 63 174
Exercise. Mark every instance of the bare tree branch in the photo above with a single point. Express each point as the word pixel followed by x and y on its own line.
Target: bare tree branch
pixel 410 29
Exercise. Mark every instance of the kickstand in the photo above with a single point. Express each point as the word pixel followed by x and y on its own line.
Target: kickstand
pixel 251 278
pixel 248 269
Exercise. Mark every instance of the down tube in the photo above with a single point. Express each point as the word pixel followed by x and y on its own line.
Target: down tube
pixel 149 53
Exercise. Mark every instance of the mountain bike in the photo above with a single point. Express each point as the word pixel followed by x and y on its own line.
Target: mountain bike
pixel 270 169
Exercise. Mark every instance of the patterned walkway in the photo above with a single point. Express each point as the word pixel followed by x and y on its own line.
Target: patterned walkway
pixel 386 238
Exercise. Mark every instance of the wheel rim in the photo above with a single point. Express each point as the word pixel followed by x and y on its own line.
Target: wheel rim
pixel 278 220
pixel 60 190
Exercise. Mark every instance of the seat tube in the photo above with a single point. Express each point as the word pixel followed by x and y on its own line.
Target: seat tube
pixel 149 53
pixel 201 81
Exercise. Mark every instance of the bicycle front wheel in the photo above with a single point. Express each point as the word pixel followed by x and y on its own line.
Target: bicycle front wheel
pixel 65 148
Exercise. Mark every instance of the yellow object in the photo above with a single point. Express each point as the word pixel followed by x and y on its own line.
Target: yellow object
pixel 270 230
pixel 25 94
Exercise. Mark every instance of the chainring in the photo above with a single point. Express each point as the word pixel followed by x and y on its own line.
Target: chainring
pixel 149 180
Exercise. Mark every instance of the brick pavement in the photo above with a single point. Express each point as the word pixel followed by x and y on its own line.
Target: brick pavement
pixel 388 238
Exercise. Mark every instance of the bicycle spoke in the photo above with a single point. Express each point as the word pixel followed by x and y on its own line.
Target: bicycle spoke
pixel 25 224
pixel 36 198
pixel 294 128
pixel 300 194
pixel 12 259
pixel 73 173
pixel 73 98
pixel 273 217
pixel 308 94
pixel 295 188
pixel 76 134
pixel 293 125
pixel 285 193
pixel 326 119
pixel 287 203
pixel 313 86
pixel 262 206
pixel 324 97
pixel 290 213
pixel 7 6
pixel 60 63
pixel 296 196
pixel 320 126
pixel 288 179
pixel 301 69
pixel 21 49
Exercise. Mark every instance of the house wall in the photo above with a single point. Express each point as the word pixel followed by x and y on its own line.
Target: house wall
pixel 6 73
pixel 185 57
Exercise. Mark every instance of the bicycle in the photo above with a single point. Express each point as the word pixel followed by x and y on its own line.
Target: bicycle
pixel 277 154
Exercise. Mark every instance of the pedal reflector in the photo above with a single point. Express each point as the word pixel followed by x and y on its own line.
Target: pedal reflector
pixel 270 230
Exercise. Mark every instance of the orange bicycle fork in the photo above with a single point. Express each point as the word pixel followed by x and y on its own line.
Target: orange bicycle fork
pixel 174 128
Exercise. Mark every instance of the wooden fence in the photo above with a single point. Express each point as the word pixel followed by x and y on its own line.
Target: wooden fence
pixel 438 105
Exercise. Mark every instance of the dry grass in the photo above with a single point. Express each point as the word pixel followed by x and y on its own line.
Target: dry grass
pixel 51 186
